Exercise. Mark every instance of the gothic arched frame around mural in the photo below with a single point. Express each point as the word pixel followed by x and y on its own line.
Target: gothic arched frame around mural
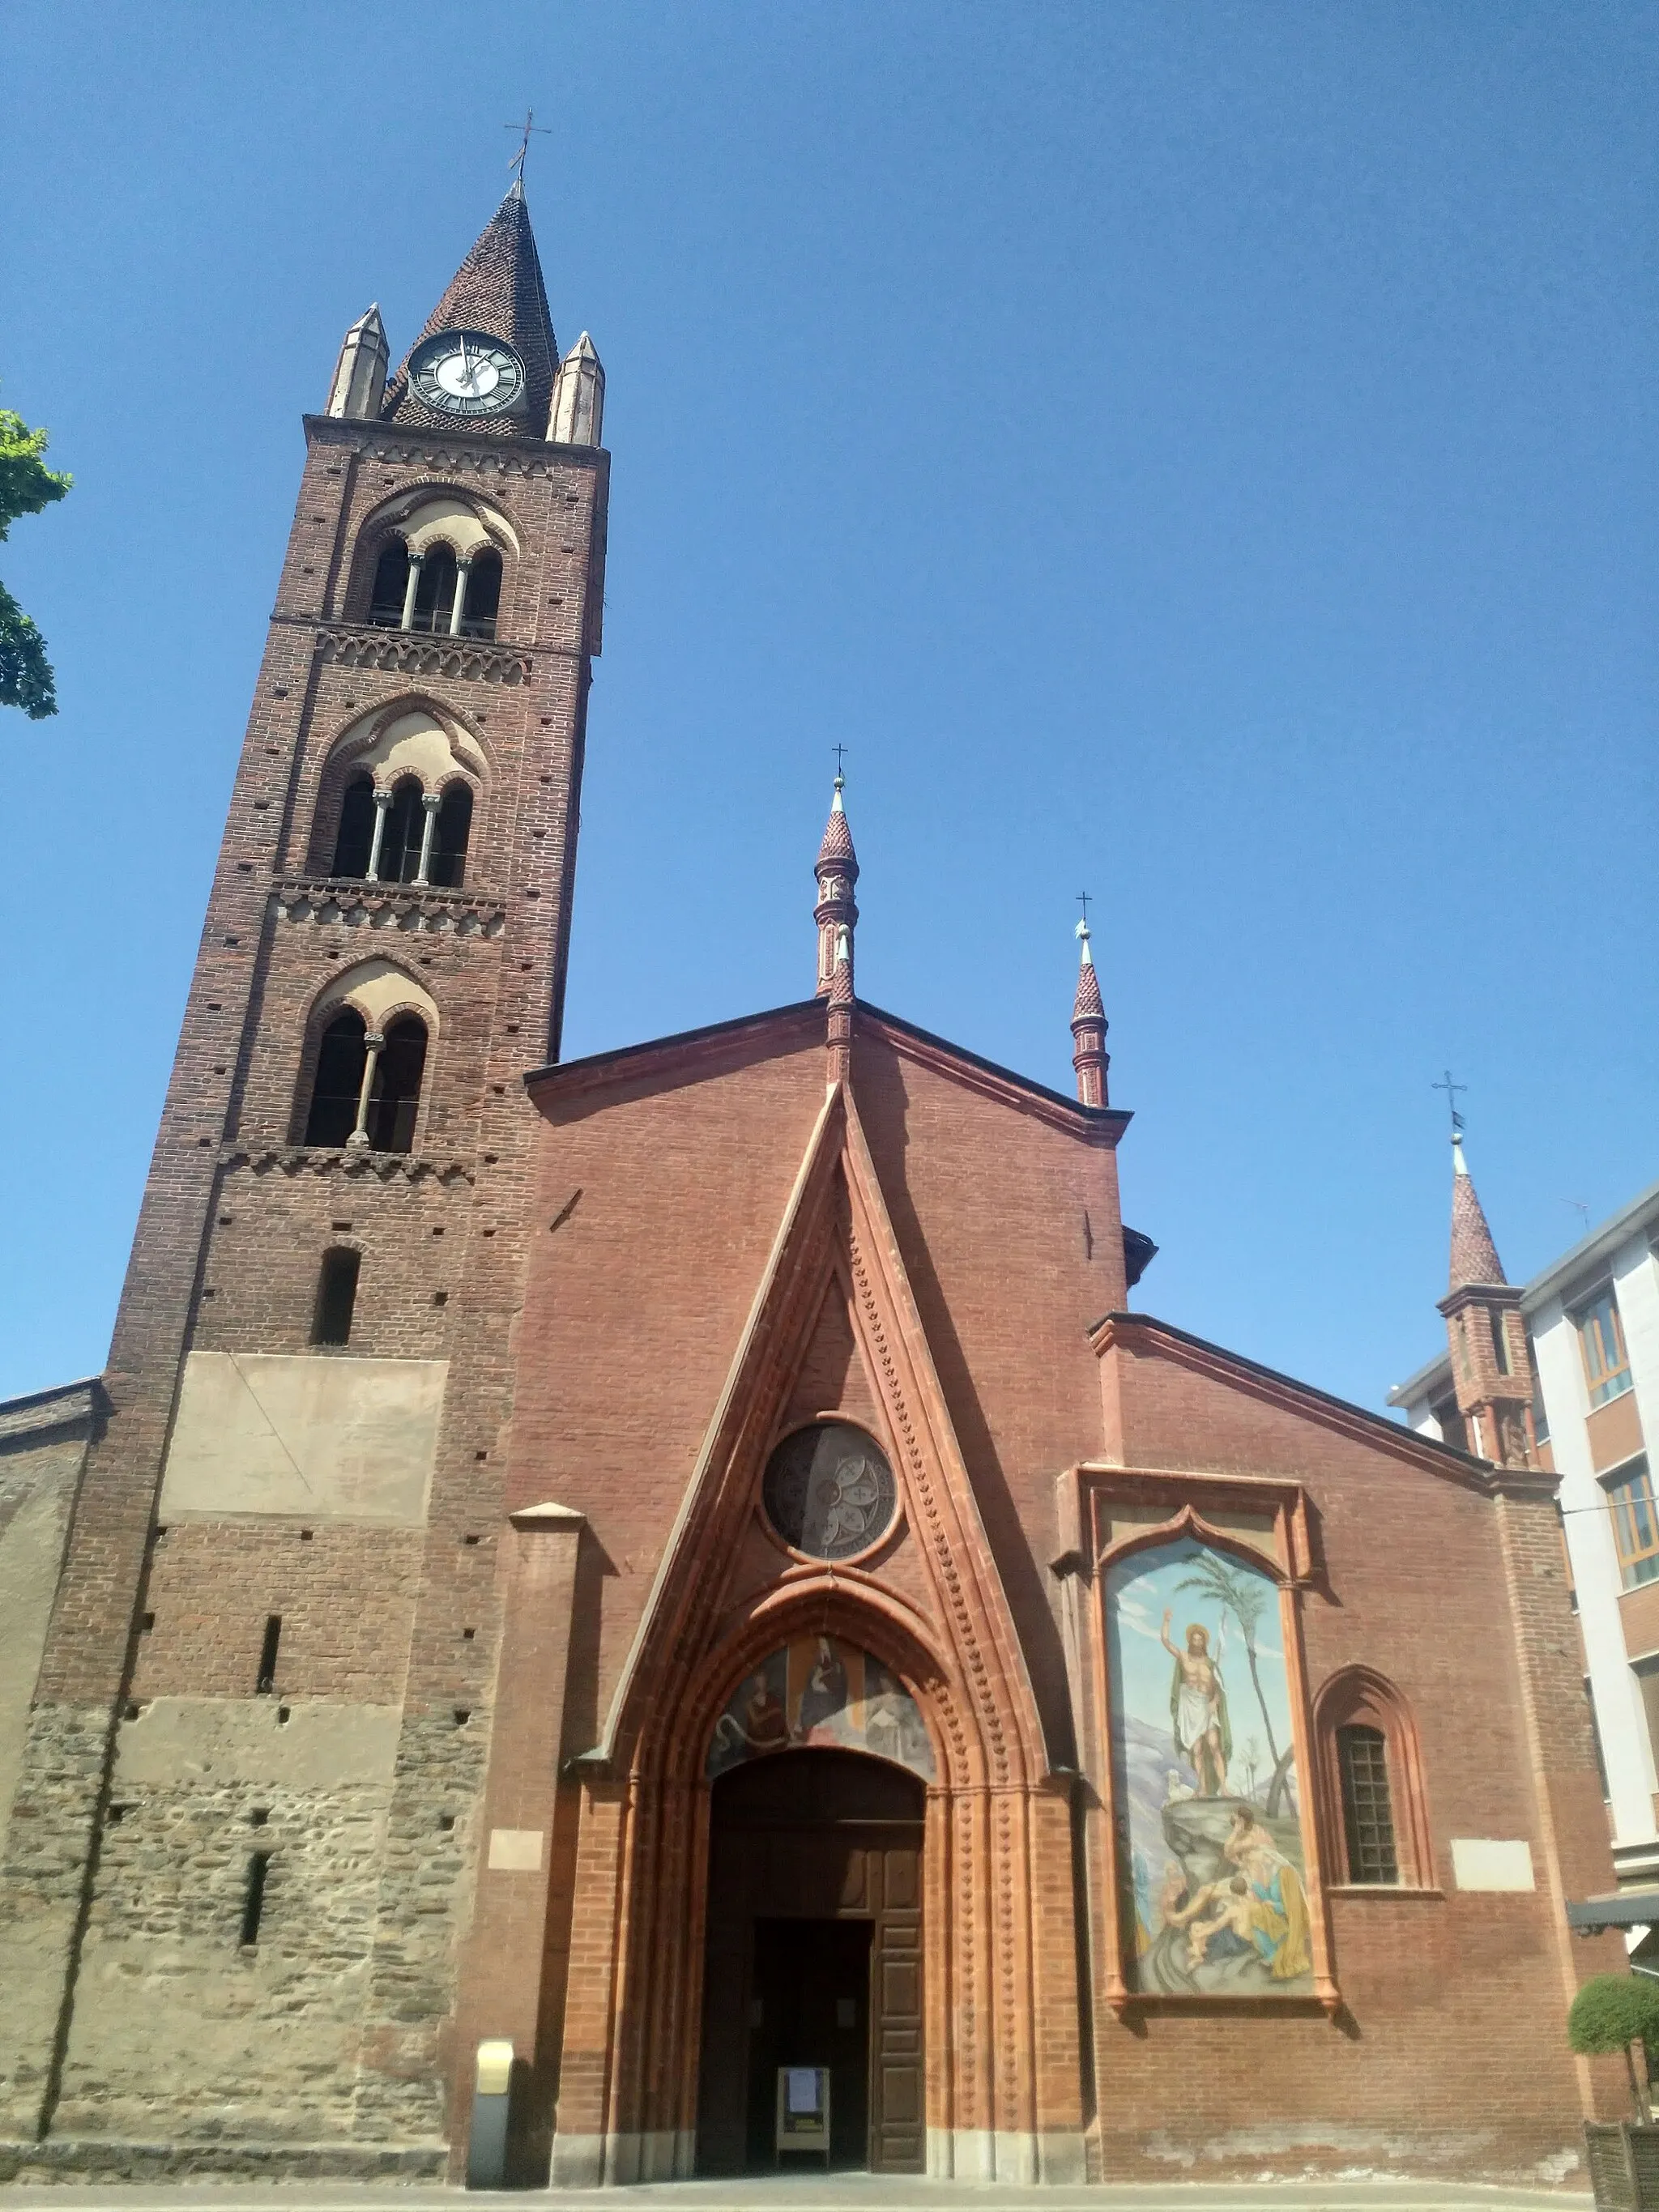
pixel 1127 1514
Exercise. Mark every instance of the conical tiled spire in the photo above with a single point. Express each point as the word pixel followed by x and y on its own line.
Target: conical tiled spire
pixel 836 914
pixel 498 289
pixel 1086 1007
pixel 1089 1055
pixel 1473 1256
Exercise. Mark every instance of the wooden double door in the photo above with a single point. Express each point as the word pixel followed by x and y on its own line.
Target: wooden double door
pixel 814 1958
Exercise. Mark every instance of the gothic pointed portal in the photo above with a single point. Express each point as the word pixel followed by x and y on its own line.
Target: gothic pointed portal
pixel 906 1612
pixel 498 292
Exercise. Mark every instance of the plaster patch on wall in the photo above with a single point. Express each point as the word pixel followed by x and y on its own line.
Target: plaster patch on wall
pixel 37 1491
pixel 305 1436
pixel 1486 1863
pixel 515 1850
pixel 222 1740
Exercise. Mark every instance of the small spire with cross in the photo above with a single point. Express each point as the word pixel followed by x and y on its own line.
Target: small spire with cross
pixel 1089 1055
pixel 837 871
pixel 528 129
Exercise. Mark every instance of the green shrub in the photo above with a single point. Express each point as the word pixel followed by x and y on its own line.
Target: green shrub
pixel 1612 2011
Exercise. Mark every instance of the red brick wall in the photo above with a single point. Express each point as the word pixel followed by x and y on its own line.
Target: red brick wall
pixel 345 1593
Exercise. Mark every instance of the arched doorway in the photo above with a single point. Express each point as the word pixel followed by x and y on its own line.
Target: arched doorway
pixel 814 1957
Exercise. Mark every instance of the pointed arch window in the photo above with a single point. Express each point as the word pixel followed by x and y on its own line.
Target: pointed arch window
pixel 1370 1784
pixel 390 590
pixel 367 1090
pixel 353 841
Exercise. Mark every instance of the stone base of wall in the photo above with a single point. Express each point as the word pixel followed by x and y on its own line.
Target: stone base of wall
pixel 1538 2155
pixel 72 2158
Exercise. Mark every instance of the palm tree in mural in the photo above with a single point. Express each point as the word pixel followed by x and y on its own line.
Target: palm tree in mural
pixel 1238 1592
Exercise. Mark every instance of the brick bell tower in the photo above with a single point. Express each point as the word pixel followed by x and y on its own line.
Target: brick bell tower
pixel 242 1845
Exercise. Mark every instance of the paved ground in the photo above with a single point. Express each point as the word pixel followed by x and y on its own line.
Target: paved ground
pixel 848 2192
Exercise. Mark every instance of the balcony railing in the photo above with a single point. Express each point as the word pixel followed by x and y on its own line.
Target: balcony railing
pixel 433 622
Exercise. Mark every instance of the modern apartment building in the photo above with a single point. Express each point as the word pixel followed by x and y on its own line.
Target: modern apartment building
pixel 1592 1323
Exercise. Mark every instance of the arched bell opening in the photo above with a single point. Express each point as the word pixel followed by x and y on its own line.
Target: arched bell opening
pixel 435 594
pixel 405 833
pixel 353 841
pixel 390 585
pixel 812 2039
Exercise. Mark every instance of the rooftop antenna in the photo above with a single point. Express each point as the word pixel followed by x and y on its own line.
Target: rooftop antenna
pixel 1581 1207
pixel 529 129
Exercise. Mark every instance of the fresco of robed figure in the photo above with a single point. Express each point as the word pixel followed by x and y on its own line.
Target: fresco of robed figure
pixel 1204 1776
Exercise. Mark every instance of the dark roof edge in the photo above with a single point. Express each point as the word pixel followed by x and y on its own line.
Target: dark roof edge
pixel 39 1414
pixel 619 1055
pixel 1091 1116
pixel 1396 1432
pixel 1630 1908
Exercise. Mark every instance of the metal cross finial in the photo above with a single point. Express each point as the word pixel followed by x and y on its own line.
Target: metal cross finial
pixel 1451 1091
pixel 530 128
pixel 1083 901
pixel 840 752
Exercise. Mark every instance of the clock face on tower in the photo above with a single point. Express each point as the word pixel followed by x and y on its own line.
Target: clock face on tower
pixel 466 373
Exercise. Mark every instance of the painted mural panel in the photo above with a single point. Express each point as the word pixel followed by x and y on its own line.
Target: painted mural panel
pixel 818 1692
pixel 1208 1798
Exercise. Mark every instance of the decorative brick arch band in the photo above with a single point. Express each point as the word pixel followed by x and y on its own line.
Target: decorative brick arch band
pixel 1360 1697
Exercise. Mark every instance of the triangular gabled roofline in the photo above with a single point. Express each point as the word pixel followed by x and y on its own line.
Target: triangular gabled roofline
pixel 570 1078
pixel 1441 1459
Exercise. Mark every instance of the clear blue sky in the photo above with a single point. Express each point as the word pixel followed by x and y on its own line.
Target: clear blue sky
pixel 1199 454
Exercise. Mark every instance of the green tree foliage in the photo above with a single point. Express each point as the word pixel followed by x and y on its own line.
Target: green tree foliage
pixel 1609 2015
pixel 26 485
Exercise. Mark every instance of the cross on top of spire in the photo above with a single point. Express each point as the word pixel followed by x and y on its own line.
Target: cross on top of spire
pixel 1451 1091
pixel 530 128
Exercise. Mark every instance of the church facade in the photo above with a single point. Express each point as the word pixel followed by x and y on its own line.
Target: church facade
pixel 686 1562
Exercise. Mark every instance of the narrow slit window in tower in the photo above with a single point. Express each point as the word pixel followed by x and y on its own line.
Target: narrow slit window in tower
pixel 266 1684
pixel 336 1295
pixel 355 834
pixel 253 1898
pixel 338 1081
